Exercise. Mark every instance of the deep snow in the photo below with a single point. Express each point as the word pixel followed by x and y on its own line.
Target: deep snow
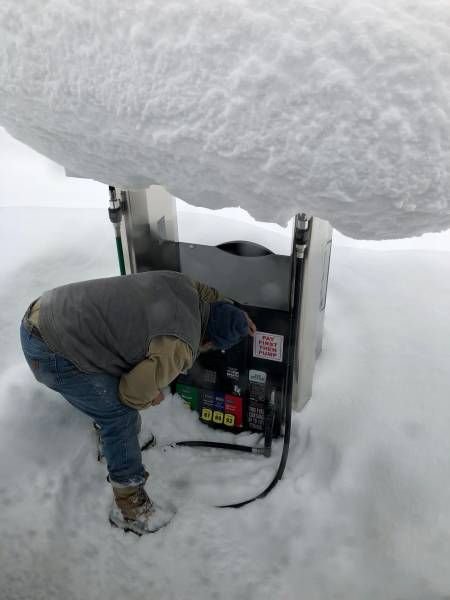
pixel 363 509
pixel 337 109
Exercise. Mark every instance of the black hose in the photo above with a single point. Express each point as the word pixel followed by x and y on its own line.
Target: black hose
pixel 115 216
pixel 297 282
pixel 280 470
pixel 205 444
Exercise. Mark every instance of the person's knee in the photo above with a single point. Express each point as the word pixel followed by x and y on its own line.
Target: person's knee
pixel 121 426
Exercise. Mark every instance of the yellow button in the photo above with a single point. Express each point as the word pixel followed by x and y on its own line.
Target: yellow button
pixel 229 420
pixel 206 414
pixel 218 417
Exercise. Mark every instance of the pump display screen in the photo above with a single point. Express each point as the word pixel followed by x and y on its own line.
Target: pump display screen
pixel 229 389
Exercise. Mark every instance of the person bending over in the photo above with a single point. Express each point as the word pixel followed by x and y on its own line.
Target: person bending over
pixel 109 346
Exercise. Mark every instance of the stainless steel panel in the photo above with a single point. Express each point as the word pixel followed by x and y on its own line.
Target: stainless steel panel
pixel 312 311
pixel 262 281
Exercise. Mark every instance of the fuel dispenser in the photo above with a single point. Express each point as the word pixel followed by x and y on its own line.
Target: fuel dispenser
pixel 255 385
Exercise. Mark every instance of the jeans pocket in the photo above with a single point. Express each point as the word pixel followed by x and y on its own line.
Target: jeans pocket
pixel 43 372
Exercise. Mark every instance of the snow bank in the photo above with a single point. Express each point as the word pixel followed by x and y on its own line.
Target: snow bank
pixel 337 109
pixel 363 511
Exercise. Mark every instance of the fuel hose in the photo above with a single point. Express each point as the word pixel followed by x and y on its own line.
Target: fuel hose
pixel 115 216
pixel 296 285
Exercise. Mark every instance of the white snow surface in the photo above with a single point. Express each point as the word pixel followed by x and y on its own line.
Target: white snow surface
pixel 363 511
pixel 339 109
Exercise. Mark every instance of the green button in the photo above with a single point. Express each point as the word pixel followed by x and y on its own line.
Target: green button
pixel 189 394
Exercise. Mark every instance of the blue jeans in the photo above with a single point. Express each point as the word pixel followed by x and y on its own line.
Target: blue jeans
pixel 96 395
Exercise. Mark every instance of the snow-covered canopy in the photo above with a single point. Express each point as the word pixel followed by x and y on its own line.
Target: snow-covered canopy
pixel 338 109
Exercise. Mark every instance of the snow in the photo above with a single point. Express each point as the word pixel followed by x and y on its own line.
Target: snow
pixel 363 508
pixel 230 224
pixel 337 109
pixel 28 178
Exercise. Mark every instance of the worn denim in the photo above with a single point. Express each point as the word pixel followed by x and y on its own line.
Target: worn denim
pixel 96 395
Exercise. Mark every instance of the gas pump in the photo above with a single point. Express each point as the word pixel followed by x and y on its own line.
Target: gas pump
pixel 255 385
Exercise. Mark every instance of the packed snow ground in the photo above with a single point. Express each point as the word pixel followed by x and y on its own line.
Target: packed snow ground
pixel 338 109
pixel 362 512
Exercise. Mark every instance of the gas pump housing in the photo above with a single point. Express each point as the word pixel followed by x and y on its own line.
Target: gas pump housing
pixel 283 293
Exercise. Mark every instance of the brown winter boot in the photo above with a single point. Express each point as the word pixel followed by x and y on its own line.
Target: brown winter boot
pixel 133 510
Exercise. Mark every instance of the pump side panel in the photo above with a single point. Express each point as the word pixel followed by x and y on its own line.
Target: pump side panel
pixel 314 293
pixel 250 280
pixel 149 230
pixel 162 213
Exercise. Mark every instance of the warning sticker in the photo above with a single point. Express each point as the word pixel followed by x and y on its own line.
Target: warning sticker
pixel 268 346
pixel 257 376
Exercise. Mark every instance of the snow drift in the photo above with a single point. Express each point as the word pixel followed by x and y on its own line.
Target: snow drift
pixel 362 513
pixel 337 109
